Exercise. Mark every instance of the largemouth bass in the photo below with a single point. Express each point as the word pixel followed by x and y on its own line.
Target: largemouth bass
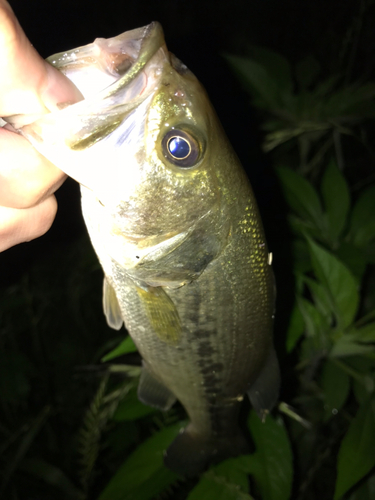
pixel 175 225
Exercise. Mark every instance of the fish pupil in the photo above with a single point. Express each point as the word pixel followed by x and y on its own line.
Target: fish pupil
pixel 179 148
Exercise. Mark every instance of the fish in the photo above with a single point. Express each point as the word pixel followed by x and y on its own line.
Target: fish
pixel 175 225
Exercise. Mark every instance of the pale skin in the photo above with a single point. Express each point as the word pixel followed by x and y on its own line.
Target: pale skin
pixel 28 85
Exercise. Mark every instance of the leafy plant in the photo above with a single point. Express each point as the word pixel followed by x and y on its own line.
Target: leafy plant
pixel 301 110
pixel 313 127
pixel 335 324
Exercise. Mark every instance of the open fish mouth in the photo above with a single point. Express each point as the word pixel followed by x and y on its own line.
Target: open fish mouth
pixel 119 62
pixel 117 77
pixel 114 75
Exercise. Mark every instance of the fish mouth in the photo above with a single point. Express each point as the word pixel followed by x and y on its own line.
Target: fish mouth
pixel 118 69
pixel 111 65
pixel 117 77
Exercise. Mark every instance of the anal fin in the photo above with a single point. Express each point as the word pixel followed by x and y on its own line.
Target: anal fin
pixel 264 392
pixel 151 392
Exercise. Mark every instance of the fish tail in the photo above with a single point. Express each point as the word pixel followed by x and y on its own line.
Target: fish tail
pixel 190 453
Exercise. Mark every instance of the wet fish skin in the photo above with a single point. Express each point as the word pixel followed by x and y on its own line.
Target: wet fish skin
pixel 182 247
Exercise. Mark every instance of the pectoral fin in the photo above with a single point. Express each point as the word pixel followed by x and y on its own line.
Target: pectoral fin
pixel 111 306
pixel 264 392
pixel 162 313
pixel 151 392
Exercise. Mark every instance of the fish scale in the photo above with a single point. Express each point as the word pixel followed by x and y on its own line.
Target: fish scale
pixel 175 225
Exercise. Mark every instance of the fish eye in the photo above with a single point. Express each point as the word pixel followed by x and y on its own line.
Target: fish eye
pixel 181 148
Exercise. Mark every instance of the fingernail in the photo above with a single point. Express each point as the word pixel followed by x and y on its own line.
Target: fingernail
pixel 59 90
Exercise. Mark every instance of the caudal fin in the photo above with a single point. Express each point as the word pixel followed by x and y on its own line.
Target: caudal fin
pixel 191 453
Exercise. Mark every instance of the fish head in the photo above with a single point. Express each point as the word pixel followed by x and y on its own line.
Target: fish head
pixel 146 147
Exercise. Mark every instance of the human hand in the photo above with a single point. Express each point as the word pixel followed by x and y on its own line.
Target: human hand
pixel 28 85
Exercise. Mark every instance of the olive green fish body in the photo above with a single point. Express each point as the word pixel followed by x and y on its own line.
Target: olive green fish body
pixel 175 225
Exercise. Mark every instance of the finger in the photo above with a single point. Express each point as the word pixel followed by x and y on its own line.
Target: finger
pixel 28 84
pixel 20 225
pixel 26 177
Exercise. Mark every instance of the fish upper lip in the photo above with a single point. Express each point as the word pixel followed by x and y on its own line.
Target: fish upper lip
pixel 121 59
pixel 152 40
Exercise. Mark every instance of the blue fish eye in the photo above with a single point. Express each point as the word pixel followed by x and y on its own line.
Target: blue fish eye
pixel 181 148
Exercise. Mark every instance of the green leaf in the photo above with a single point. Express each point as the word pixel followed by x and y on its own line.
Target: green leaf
pixel 347 345
pixel 124 347
pixel 339 282
pixel 317 327
pixel 227 481
pixel 296 328
pixel 365 491
pixel 362 224
pixel 256 80
pixel 354 258
pixel 365 333
pixel 356 456
pixel 326 87
pixel 365 233
pixel 307 71
pixel 232 471
pixel 363 381
pixel 143 475
pixel 350 101
pixel 301 258
pixel 322 300
pixel 153 486
pixel 360 392
pixel 212 487
pixel 304 227
pixel 52 475
pixel 272 463
pixel 336 198
pixel 130 408
pixel 300 195
pixel 335 384
pixel 276 66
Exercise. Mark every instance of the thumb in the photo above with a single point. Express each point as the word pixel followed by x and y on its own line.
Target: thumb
pixel 28 84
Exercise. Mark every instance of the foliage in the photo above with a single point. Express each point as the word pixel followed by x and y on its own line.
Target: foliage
pixel 71 425
pixel 303 111
pixel 332 326
pixel 331 331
